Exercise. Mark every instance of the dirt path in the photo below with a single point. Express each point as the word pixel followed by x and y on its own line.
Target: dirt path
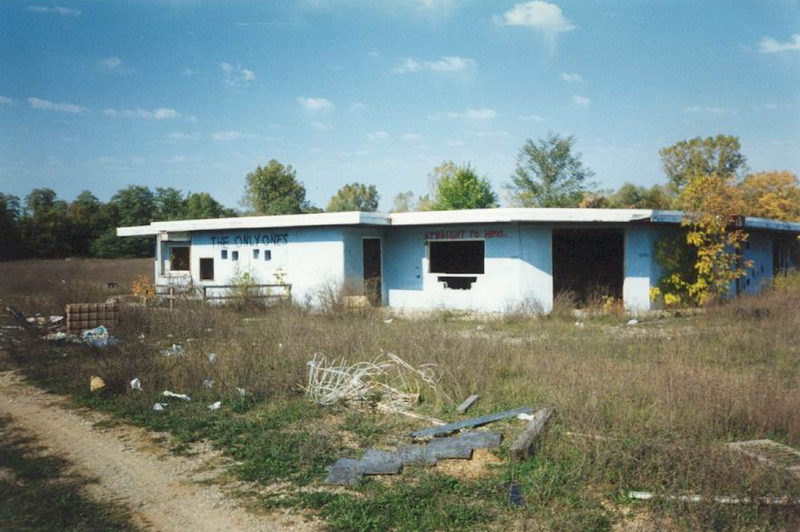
pixel 161 489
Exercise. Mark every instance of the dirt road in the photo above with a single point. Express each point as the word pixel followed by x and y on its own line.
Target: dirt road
pixel 161 489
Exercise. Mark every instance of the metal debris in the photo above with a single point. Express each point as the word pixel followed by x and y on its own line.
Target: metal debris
pixel 347 471
pixel 468 423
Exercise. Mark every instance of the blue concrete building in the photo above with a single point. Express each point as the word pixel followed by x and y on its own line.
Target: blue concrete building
pixel 490 260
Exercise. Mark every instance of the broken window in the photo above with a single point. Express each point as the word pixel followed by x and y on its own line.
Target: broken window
pixel 179 259
pixel 456 256
pixel 206 269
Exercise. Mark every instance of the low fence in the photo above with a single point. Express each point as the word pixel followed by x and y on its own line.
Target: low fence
pixel 223 292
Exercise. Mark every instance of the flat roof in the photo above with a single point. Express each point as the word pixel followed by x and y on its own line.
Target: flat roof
pixel 469 216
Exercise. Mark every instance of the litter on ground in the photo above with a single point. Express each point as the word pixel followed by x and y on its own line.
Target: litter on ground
pixel 96 383
pixel 158 407
pixel 174 395
pixel 136 384
pixel 175 350
pixel 215 405
pixel 97 337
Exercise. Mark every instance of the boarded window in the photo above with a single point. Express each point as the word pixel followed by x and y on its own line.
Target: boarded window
pixel 179 259
pixel 456 256
pixel 206 269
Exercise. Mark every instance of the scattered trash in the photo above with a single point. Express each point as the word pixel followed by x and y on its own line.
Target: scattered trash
pixel 580 324
pixel 525 445
pixel 632 322
pixel 389 383
pixel 467 404
pixel 347 471
pixel 242 392
pixel 21 320
pixel 83 316
pixel 136 384
pixel 771 453
pixel 468 423
pixel 96 383
pixel 280 345
pixel 141 336
pixel 62 336
pixel 215 406
pixel 524 417
pixel 648 495
pixel 97 337
pixel 208 383
pixel 158 407
pixel 182 396
pixel 388 320
pixel 190 340
pixel 175 350
pixel 56 319
pixel 212 357
pixel 515 498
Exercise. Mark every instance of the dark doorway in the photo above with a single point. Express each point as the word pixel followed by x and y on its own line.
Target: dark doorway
pixel 588 264
pixel 206 269
pixel 372 270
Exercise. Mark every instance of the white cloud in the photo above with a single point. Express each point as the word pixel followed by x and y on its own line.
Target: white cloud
pixel 188 72
pixel 697 109
pixel 432 5
pixel 322 126
pixel 545 18
pixel 4 100
pixel 447 63
pixel 581 101
pixel 571 78
pixel 177 135
pixel 162 113
pixel 542 16
pixel 111 62
pixel 454 143
pixel 38 103
pixel 357 106
pixel 315 104
pixel 180 159
pixel 57 10
pixel 492 134
pixel 411 137
pixel 774 106
pixel 374 54
pixel 530 118
pixel 469 114
pixel 377 135
pixel 768 45
pixel 236 74
pixel 231 135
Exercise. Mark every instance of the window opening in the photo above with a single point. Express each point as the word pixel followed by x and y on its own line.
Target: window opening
pixel 255 253
pixel 456 256
pixel 588 264
pixel 207 269
pixel 234 255
pixel 179 259
pixel 267 254
pixel 224 254
pixel 457 283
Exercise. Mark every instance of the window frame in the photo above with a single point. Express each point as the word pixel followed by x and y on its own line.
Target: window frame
pixel 429 245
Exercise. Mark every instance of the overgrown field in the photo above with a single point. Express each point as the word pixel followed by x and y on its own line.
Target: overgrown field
pixel 638 407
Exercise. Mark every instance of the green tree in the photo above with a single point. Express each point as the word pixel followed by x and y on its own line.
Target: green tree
pixel 403 202
pixel 12 247
pixel 630 196
pixel 355 197
pixel 45 226
pixel 132 205
pixel 169 204
pixel 684 160
pixel 86 215
pixel 274 189
pixel 464 189
pixel 203 205
pixel 549 174
pixel 135 204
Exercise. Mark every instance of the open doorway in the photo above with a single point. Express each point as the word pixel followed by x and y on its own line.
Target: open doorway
pixel 588 264
pixel 372 270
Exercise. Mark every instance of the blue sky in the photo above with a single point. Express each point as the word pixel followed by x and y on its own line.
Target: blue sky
pixel 195 94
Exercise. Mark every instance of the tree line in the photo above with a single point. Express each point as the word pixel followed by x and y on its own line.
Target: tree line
pixel 549 173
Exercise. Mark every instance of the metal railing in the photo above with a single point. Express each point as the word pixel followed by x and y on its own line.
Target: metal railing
pixel 229 291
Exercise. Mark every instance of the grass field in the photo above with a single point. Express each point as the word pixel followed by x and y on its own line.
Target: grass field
pixel 642 407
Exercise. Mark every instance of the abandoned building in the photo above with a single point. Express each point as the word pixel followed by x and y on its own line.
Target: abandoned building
pixel 484 259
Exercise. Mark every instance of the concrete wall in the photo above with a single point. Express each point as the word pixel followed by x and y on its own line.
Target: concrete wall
pixel 309 258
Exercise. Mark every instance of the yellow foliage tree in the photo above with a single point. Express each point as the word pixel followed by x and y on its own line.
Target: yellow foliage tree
pixel 772 195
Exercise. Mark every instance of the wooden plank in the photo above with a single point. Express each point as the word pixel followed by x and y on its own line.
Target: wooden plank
pixel 525 445
pixel 471 422
pixel 468 402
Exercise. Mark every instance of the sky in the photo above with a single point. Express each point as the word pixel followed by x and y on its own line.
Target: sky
pixel 195 94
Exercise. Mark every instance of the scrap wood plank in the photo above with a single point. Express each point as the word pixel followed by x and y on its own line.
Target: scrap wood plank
pixel 525 445
pixel 468 402
pixel 471 422
pixel 771 453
